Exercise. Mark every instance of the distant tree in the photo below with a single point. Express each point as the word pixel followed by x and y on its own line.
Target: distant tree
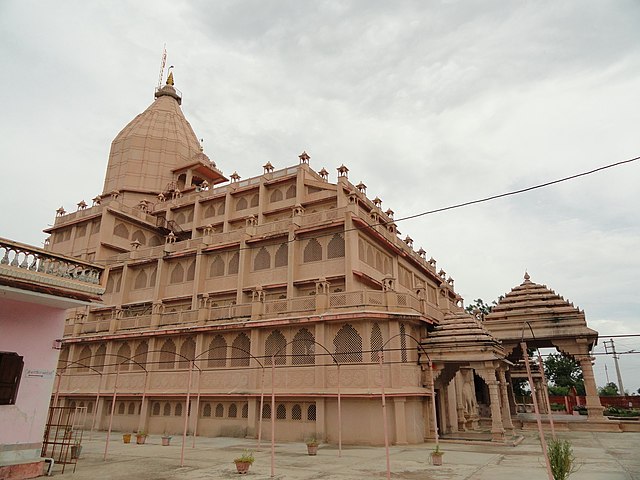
pixel 609 390
pixel 639 391
pixel 520 387
pixel 479 309
pixel 562 371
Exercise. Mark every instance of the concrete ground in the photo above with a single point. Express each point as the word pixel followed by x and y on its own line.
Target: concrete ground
pixel 600 456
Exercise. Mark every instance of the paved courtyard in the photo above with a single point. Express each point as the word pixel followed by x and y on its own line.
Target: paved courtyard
pixel 601 456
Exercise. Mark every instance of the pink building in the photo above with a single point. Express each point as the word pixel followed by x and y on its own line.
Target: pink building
pixel 36 288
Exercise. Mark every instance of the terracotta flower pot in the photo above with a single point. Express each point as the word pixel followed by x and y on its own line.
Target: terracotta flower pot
pixel 243 467
pixel 76 450
pixel 140 439
pixel 436 458
pixel 312 448
pixel 166 440
pixel 126 438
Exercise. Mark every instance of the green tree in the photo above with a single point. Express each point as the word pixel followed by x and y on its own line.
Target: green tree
pixel 562 371
pixel 478 306
pixel 609 390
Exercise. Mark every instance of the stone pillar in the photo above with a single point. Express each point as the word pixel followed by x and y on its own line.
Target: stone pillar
pixel 542 404
pixel 497 427
pixel 253 416
pixel 504 396
pixel 400 420
pixel 594 407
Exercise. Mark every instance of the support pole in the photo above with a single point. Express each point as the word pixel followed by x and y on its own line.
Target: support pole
pixel 261 409
pixel 545 395
pixel 433 404
pixel 543 442
pixel 186 415
pixel 195 425
pixel 339 417
pixel 113 407
pixel 384 416
pixel 95 410
pixel 273 417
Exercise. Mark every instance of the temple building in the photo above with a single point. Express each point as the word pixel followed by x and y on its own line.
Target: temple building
pixel 211 281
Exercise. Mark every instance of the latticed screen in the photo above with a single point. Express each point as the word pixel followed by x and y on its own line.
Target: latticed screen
pixel 303 348
pixel 403 343
pixel 281 412
pixel 233 411
pixel 141 356
pixel 187 352
pixel 240 351
pixel 234 262
pixel 166 411
pixel 312 251
pixel 335 249
pixel 124 353
pixel 266 411
pixel 376 342
pixel 282 255
pixel 275 343
pixel 219 410
pixel 348 345
pixel 206 410
pixel 296 412
pixel 217 352
pixel 217 267
pixel 311 413
pixel 167 355
pixel 178 410
pixel 155 410
pixel 245 410
pixel 262 260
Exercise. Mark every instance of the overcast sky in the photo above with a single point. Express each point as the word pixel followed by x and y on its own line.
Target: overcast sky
pixel 428 103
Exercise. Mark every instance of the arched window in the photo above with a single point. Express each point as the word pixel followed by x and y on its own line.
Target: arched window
pixel 311 412
pixel 191 271
pixel 219 410
pixel 296 412
pixel 241 204
pixel 217 267
pixel 178 410
pixel 335 248
pixel 262 260
pixel 166 411
pixel 291 192
pixel 84 359
pixel 275 343
pixel 303 348
pixel 206 410
pixel 281 412
pixel 234 262
pixel 139 236
pixel 376 342
pixel 123 359
pixel 63 359
pixel 141 280
pixel 121 230
pixel 245 410
pixel 177 274
pixel 403 343
pixel 154 241
pixel 221 209
pixel 99 358
pixel 255 201
pixel 141 356
pixel 210 211
pixel 266 411
pixel 379 262
pixel 132 409
pixel 276 195
pixel 179 218
pixel 370 256
pixel 110 284
pixel 155 410
pixel 282 255
pixel 240 351
pixel 167 355
pixel 217 356
pixel 348 345
pixel 233 411
pixel 121 408
pixel 312 251
pixel 152 277
pixel 187 352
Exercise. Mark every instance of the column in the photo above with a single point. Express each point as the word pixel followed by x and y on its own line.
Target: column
pixel 594 407
pixel 497 428
pixel 504 396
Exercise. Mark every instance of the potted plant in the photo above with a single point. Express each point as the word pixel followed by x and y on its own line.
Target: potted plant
pixel 561 458
pixel 126 438
pixel 244 461
pixel 166 439
pixel 312 446
pixel 436 456
pixel 141 437
pixel 76 450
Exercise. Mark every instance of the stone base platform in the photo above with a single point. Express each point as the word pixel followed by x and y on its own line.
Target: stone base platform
pixel 20 471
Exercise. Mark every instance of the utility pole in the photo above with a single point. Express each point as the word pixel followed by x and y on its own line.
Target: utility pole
pixel 606 372
pixel 615 360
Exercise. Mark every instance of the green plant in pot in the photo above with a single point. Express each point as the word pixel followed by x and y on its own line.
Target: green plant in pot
pixel 141 437
pixel 436 455
pixel 312 446
pixel 244 461
pixel 561 458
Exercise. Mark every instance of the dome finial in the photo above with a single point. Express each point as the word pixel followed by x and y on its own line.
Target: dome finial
pixel 526 276
pixel 170 77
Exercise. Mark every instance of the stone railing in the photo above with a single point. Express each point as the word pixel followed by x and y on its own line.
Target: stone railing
pixel 260 310
pixel 34 259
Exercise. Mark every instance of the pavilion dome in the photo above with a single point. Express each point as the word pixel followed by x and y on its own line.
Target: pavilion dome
pixel 153 144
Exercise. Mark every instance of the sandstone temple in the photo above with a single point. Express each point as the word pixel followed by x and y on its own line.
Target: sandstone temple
pixel 221 290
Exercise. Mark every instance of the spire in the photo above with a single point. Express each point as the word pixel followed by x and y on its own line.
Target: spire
pixel 170 77
pixel 169 89
pixel 526 276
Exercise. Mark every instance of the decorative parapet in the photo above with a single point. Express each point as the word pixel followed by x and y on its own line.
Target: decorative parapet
pixel 32 268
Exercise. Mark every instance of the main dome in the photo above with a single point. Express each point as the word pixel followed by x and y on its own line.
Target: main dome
pixel 154 143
